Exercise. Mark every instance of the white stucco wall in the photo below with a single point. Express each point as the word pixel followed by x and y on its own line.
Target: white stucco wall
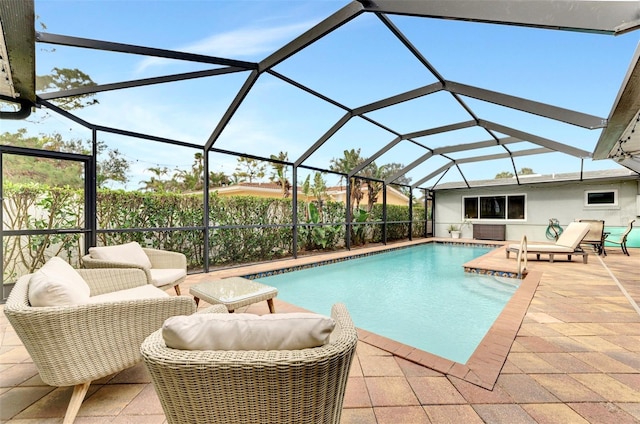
pixel 563 201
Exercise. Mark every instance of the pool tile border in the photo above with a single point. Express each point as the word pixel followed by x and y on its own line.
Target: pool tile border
pixel 284 270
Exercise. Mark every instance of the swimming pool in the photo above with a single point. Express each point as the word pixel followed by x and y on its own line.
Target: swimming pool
pixel 419 296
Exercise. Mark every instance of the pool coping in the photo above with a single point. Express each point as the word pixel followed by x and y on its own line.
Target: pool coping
pixel 485 363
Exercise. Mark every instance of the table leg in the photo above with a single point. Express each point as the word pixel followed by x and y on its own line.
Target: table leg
pixel 197 299
pixel 272 308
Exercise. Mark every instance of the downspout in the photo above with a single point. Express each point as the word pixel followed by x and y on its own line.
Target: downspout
pixel 22 113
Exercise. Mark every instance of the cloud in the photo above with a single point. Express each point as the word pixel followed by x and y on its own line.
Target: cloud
pixel 245 42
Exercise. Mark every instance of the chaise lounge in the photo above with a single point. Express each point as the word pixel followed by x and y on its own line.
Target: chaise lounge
pixel 567 244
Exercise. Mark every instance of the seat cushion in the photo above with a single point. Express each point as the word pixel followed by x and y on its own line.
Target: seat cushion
pixel 543 248
pixel 286 331
pixel 128 253
pixel 57 284
pixel 146 291
pixel 162 277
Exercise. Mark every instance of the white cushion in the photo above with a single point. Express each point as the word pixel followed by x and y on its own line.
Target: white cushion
pixel 162 277
pixel 212 331
pixel 129 253
pixel 543 248
pixel 146 291
pixel 573 234
pixel 57 284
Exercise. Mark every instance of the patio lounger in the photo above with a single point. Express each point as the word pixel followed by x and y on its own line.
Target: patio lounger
pixel 567 244
pixel 622 241
pixel 595 236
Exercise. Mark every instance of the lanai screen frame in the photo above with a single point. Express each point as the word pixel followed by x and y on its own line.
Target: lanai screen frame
pixel 606 17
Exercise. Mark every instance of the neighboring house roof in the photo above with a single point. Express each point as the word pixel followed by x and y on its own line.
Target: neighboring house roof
pixel 336 193
pixel 610 174
pixel 394 196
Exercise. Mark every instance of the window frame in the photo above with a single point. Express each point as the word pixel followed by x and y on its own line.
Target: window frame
pixel 506 202
pixel 601 205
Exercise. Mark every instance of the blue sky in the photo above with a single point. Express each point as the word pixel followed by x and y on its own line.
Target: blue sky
pixel 359 63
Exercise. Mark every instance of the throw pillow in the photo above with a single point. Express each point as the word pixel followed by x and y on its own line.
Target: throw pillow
pixel 57 284
pixel 287 331
pixel 128 253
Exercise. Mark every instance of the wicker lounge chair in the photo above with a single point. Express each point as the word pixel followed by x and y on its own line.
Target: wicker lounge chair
pixel 76 344
pixel 622 241
pixel 268 386
pixel 567 244
pixel 595 236
pixel 168 269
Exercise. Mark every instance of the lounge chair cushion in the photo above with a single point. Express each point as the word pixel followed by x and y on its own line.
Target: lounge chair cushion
pixel 57 284
pixel 286 331
pixel 128 253
pixel 161 277
pixel 146 291
pixel 573 235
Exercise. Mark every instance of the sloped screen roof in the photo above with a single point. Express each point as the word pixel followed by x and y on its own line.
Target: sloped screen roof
pixel 417 110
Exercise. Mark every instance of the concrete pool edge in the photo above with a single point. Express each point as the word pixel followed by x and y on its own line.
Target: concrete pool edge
pixel 484 366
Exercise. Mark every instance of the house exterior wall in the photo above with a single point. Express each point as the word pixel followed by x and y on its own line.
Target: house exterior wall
pixel 563 201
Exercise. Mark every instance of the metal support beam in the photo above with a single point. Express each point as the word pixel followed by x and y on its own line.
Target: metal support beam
pixel 609 17
pixel 400 98
pixel 541 109
pixel 323 139
pixel 553 145
pixel 139 83
pixel 64 40
pixel 231 110
pixel 328 25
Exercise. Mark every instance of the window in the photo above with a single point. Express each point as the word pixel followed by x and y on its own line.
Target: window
pixel 601 198
pixel 495 207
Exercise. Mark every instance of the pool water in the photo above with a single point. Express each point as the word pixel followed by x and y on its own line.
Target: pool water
pixel 419 296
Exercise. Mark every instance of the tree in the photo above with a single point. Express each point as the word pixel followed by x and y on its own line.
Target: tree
pixel 346 164
pixel 193 179
pixel 504 174
pixel 61 172
pixel 115 168
pixel 156 183
pixel 507 174
pixel 62 79
pixel 250 169
pixel 279 174
pixel 219 179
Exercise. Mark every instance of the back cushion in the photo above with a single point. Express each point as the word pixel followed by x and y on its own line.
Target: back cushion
pixel 129 253
pixel 573 234
pixel 213 331
pixel 57 284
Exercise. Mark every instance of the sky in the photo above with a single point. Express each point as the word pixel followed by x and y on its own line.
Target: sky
pixel 359 63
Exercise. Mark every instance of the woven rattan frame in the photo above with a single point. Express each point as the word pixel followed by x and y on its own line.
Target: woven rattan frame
pixel 236 387
pixel 160 259
pixel 73 345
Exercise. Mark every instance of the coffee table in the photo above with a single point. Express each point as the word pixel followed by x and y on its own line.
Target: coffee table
pixel 234 292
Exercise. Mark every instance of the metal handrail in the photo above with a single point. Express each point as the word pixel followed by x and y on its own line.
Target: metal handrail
pixel 521 251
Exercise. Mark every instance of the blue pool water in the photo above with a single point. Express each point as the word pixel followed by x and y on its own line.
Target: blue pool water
pixel 419 296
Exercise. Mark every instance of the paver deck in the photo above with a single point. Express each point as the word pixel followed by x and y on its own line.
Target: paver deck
pixel 574 356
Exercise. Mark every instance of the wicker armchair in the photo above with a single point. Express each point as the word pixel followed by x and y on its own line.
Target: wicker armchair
pixel 74 345
pixel 161 261
pixel 269 386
